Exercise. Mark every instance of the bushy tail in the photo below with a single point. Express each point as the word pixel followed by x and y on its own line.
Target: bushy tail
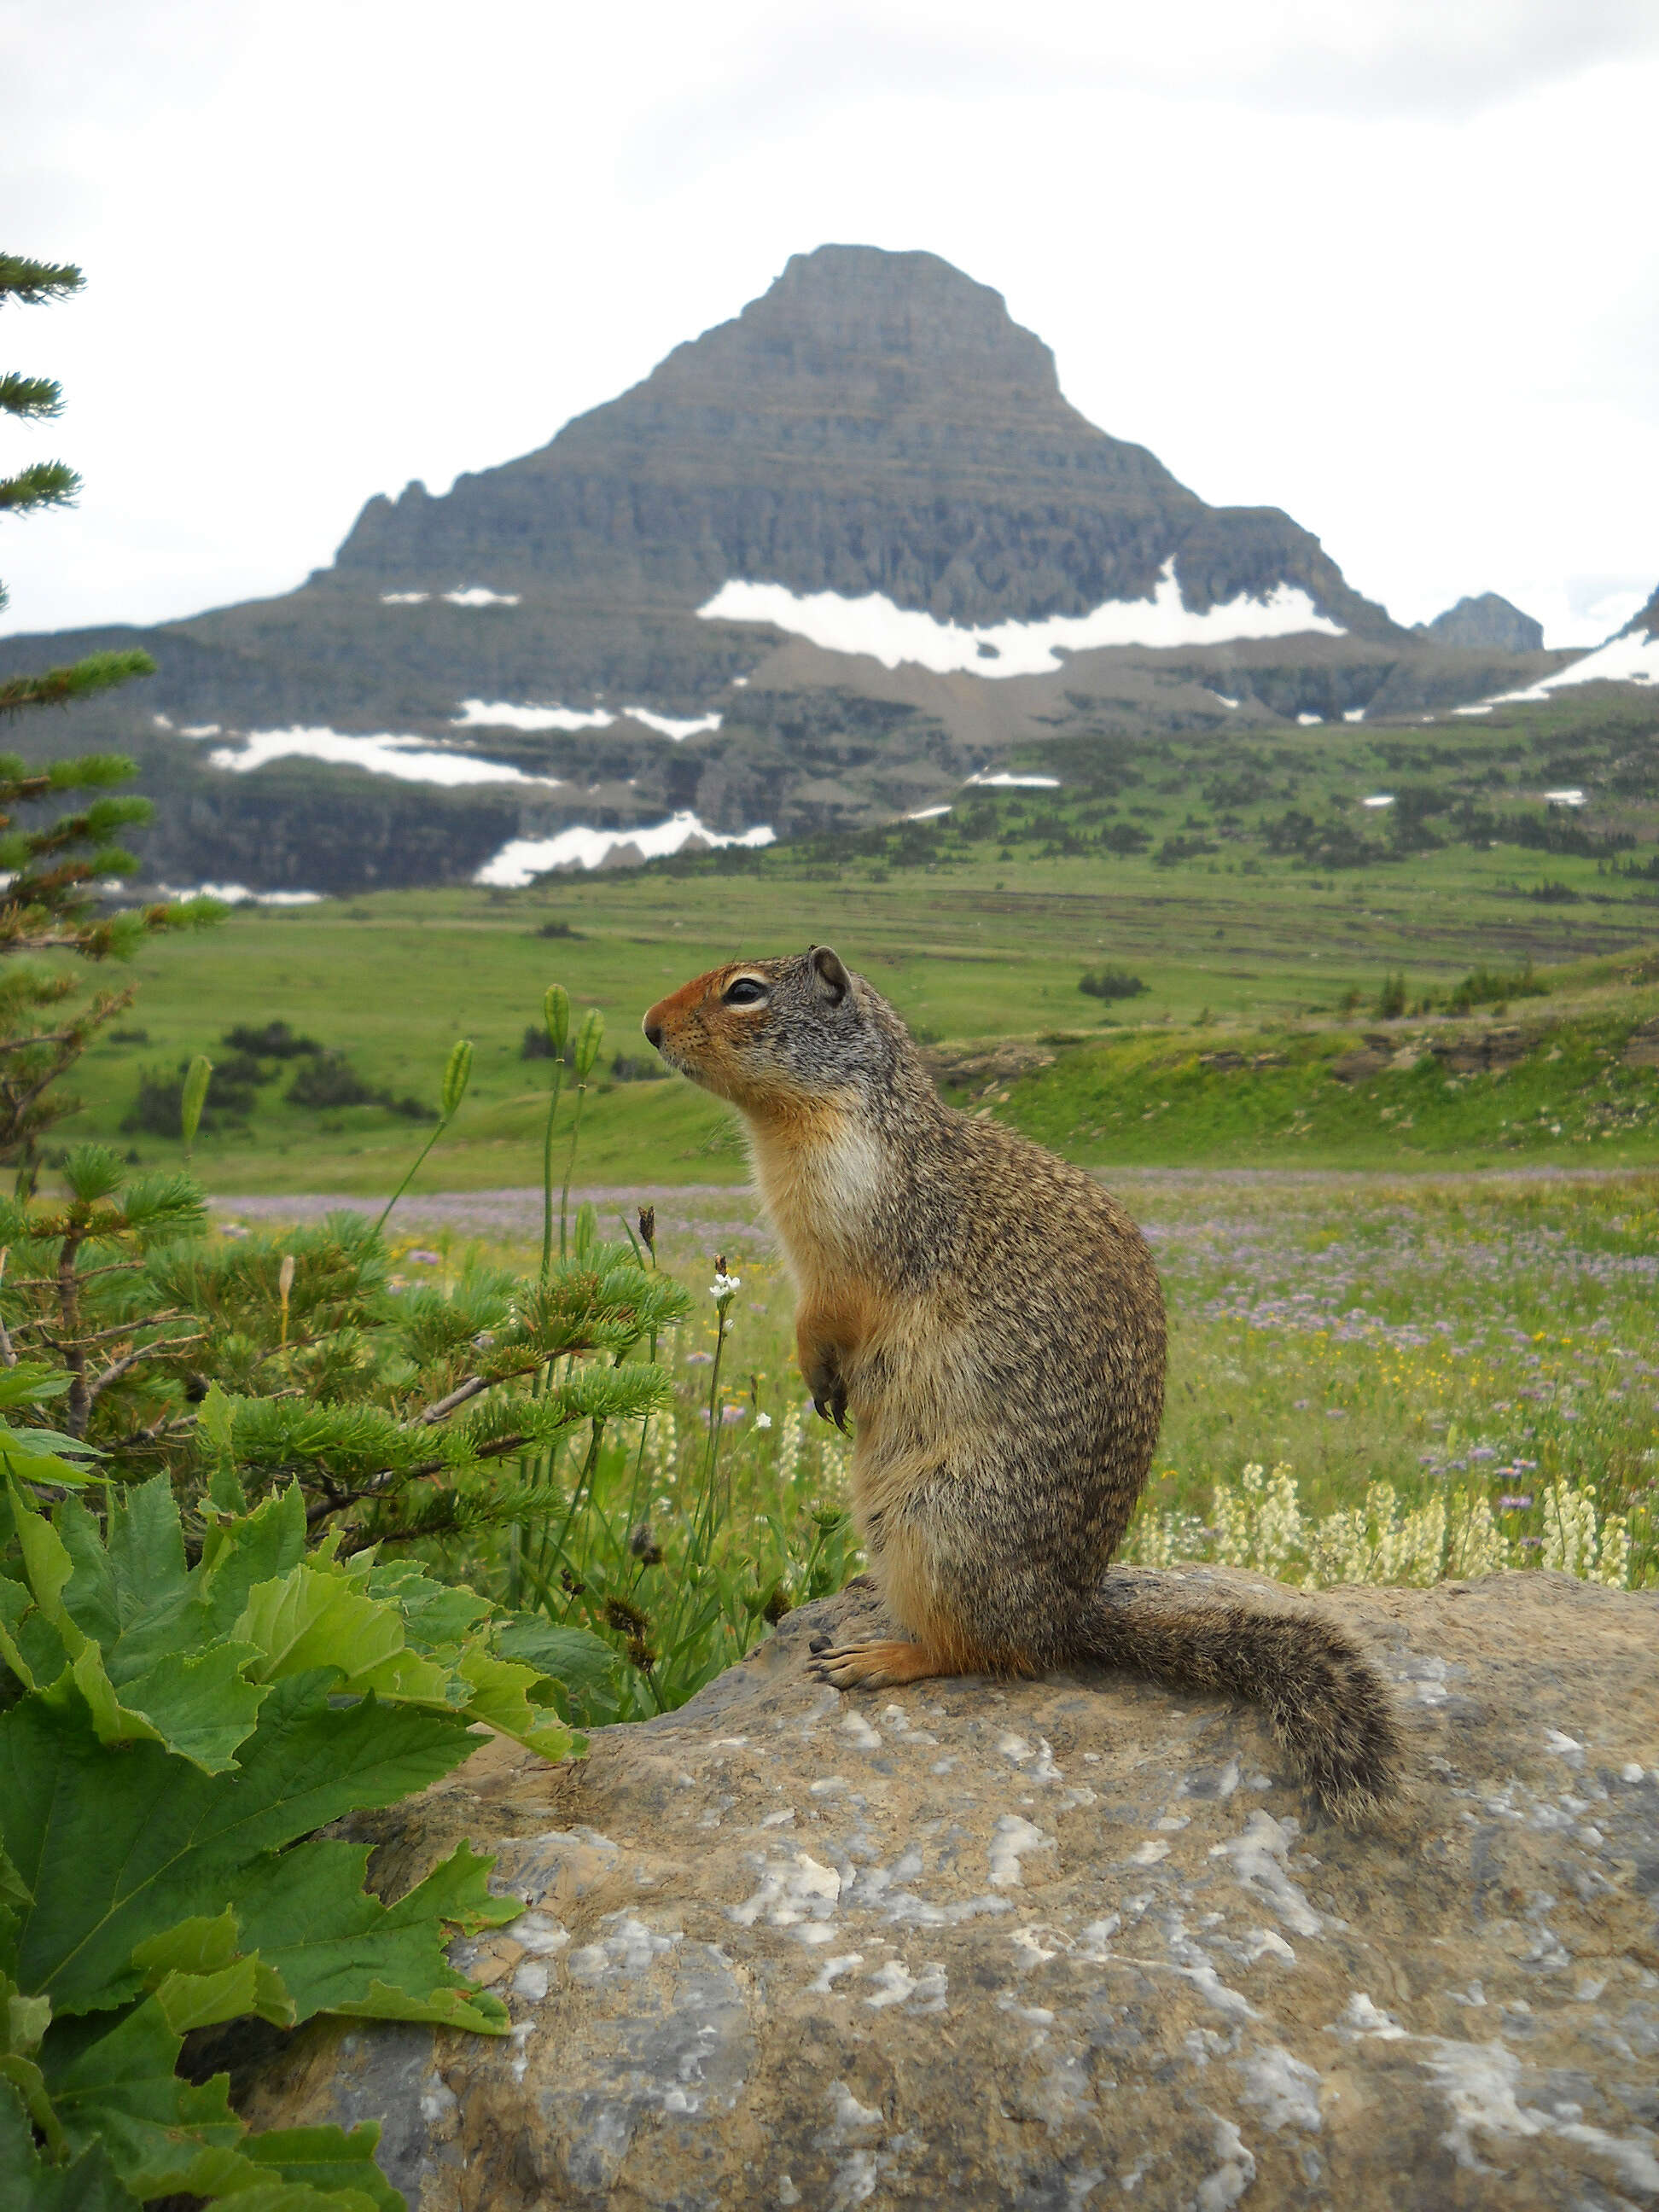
pixel 1324 1700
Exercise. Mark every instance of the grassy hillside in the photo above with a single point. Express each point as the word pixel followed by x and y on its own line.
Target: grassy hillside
pixel 1241 881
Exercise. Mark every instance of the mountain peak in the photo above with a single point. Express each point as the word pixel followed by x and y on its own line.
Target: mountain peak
pixel 1486 624
pixel 844 307
pixel 875 422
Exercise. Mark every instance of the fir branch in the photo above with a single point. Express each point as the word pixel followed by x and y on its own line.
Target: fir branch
pixel 120 1367
pixel 35 283
pixel 58 687
pixel 43 483
pixel 34 398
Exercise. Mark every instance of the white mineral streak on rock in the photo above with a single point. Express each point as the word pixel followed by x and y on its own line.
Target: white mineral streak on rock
pixel 833 1968
pixel 628 1950
pixel 438 2100
pixel 1091 1944
pixel 1217 1784
pixel 1011 1840
pixel 894 1984
pixel 855 2181
pixel 897 1722
pixel 866 1737
pixel 531 1980
pixel 1264 1942
pixel 891 635
pixel 1361 2017
pixel 537 1933
pixel 1222 2188
pixel 1285 2088
pixel 1150 1852
pixel 1041 1941
pixel 792 1890
pixel 1189 1959
pixel 1257 1858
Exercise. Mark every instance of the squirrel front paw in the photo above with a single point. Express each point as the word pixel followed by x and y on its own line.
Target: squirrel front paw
pixel 824 1381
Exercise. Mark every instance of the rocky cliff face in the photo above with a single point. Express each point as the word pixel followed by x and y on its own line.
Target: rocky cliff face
pixel 876 422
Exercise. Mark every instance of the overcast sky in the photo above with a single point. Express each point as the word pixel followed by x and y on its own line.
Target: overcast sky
pixel 1389 264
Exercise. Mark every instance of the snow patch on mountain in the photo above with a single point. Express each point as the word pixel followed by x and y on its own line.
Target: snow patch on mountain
pixel 503 714
pixel 520 861
pixel 412 760
pixel 1633 657
pixel 891 635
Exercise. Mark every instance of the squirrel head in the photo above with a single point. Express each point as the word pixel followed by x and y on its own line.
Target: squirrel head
pixel 781 1038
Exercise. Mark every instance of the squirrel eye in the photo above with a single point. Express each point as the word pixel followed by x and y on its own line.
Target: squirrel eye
pixel 745 992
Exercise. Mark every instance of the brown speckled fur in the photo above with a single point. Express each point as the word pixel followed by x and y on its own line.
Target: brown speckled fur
pixel 993 1322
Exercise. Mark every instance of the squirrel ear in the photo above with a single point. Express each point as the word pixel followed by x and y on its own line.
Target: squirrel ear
pixel 833 980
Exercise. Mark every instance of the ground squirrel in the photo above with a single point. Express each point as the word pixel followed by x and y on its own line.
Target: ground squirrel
pixel 993 1322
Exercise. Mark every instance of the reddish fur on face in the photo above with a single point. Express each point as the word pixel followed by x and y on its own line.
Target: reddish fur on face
pixel 704 1039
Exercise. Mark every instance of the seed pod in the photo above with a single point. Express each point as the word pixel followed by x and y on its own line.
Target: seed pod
pixel 648 1229
pixel 644 1546
pixel 588 1039
pixel 555 1013
pixel 194 1096
pixel 456 1076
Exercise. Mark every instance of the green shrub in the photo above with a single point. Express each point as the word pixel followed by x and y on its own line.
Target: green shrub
pixel 157 1105
pixel 271 1041
pixel 1111 983
pixel 1488 987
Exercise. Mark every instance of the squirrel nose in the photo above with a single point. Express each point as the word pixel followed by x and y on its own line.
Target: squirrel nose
pixel 653 1034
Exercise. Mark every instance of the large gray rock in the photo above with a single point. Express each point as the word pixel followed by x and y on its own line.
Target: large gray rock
pixel 1057 1944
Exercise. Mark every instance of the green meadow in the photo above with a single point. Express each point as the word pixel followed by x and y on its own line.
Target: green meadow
pixel 1264 912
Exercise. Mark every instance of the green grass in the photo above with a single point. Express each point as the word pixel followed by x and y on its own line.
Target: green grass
pixel 1263 938
pixel 1152 1100
pixel 1438 1336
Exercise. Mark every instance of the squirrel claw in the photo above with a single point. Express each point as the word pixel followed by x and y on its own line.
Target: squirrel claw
pixel 820 1643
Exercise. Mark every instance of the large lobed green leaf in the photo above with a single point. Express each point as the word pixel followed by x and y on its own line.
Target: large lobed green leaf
pixel 113 1850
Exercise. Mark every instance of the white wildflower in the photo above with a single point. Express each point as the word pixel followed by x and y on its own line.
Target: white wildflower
pixel 789 1443
pixel 726 1286
pixel 1478 1545
pixel 1614 1567
pixel 1570 1529
pixel 762 1420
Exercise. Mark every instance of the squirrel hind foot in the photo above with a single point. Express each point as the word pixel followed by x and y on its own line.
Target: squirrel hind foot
pixel 879 1664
